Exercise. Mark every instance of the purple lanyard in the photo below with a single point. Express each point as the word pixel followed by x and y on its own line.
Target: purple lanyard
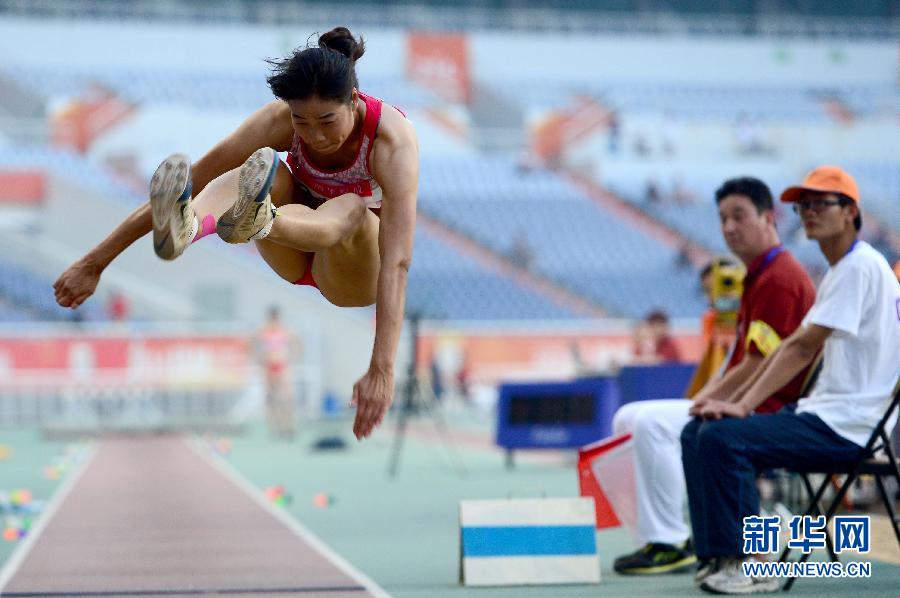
pixel 771 255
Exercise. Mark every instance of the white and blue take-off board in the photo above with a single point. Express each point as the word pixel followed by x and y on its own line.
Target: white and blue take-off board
pixel 528 542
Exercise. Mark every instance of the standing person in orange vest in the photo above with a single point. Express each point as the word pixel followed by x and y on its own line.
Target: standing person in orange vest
pixel 722 282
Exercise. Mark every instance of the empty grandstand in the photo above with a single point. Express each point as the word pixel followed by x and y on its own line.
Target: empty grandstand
pixel 554 187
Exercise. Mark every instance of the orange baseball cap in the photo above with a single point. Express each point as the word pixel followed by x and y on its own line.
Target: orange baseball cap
pixel 824 179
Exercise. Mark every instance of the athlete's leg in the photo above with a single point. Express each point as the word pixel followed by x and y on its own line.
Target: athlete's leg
pixel 178 219
pixel 343 234
pixel 318 230
pixel 174 224
pixel 288 262
pixel 220 194
pixel 212 202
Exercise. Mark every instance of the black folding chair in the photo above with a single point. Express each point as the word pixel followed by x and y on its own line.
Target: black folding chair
pixel 879 460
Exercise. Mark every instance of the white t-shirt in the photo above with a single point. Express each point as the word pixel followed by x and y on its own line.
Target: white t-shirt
pixel 859 299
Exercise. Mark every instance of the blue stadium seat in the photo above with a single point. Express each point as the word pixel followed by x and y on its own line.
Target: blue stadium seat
pixel 242 91
pixel 573 241
pixel 444 284
pixel 28 297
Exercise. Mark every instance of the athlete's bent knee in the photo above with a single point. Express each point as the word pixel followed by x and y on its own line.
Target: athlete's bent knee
pixel 343 227
pixel 357 208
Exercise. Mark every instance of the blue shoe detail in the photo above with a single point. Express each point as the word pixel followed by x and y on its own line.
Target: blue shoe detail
pixel 188 189
pixel 270 179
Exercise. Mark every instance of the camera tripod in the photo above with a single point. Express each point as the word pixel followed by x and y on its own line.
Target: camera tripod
pixel 418 397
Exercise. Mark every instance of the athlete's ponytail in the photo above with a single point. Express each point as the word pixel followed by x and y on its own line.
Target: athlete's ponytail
pixel 326 71
pixel 341 40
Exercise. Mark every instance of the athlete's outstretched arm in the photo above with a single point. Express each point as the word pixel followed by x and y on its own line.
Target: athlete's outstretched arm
pixel 268 126
pixel 79 280
pixel 395 165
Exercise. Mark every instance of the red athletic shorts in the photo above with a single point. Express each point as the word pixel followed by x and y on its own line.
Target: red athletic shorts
pixel 307 278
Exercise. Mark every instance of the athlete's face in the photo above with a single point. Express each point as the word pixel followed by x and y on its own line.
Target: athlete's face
pixel 745 230
pixel 324 125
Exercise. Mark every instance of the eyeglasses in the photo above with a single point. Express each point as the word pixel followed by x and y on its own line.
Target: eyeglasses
pixel 816 205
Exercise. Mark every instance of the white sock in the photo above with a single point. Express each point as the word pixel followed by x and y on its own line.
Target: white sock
pixel 264 232
pixel 195 228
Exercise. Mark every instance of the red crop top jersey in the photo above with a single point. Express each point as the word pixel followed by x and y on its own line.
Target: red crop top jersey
pixel 355 178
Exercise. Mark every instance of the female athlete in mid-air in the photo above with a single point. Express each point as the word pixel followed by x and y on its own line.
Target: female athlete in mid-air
pixel 340 219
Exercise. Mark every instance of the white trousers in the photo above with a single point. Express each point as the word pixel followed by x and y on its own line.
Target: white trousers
pixel 656 427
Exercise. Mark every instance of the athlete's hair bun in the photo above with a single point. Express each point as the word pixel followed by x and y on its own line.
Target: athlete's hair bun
pixel 341 40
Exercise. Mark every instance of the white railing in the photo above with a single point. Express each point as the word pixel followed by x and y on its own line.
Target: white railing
pixel 160 377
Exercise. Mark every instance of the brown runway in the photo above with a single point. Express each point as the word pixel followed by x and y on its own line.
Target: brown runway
pixel 151 517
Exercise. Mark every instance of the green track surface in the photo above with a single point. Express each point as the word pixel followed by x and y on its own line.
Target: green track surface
pixel 24 469
pixel 403 532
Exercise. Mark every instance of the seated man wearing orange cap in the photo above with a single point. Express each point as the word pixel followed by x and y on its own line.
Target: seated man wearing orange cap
pixel 776 295
pixel 855 321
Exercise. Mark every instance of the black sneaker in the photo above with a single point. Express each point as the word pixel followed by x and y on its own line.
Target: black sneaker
pixel 656 558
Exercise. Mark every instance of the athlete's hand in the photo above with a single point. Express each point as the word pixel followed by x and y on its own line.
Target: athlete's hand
pixel 77 283
pixel 372 397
